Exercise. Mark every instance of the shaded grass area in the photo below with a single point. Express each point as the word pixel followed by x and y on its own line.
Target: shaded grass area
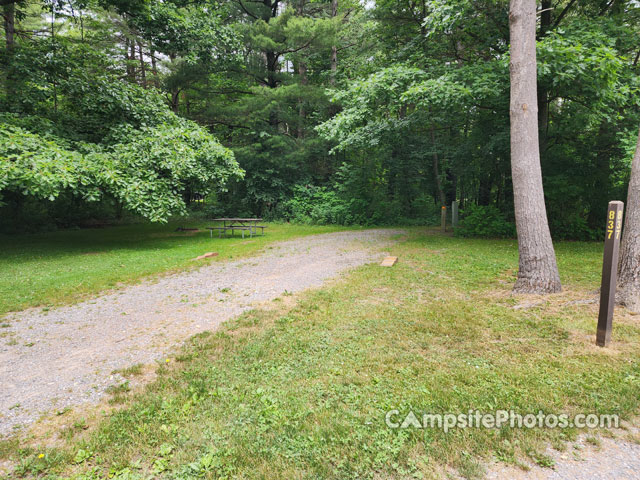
pixel 65 266
pixel 302 391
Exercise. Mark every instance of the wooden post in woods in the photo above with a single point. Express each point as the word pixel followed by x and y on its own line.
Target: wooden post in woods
pixel 609 272
pixel 454 214
pixel 443 220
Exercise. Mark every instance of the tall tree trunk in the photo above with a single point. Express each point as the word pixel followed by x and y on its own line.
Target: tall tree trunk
pixel 54 80
pixel 543 92
pixel 272 82
pixel 484 189
pixel 175 100
pixel 128 66
pixel 452 184
pixel 143 66
pixel 436 169
pixel 81 25
pixel 334 48
pixel 302 73
pixel 302 114
pixel 154 69
pixel 538 270
pixel 9 12
pixel 628 293
pixel 132 58
pixel 175 91
pixel 271 59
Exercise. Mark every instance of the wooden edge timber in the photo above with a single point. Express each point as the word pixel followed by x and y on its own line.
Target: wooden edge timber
pixel 389 262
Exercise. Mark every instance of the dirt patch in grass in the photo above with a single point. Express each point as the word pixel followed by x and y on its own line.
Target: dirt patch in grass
pixel 72 424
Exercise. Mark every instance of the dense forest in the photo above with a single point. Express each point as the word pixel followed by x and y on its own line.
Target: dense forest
pixel 318 111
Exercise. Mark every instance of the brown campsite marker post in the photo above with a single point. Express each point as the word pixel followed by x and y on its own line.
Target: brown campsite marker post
pixel 444 219
pixel 609 272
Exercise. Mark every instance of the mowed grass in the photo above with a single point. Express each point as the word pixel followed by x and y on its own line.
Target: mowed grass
pixel 301 390
pixel 61 267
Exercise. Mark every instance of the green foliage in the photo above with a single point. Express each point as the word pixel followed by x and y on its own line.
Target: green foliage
pixel 152 167
pixel 458 109
pixel 317 205
pixel 104 139
pixel 484 221
pixel 147 172
pixel 575 227
pixel 195 34
pixel 341 205
pixel 582 61
pixel 33 166
pixel 384 112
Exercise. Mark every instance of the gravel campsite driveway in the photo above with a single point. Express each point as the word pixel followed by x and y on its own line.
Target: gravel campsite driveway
pixel 66 356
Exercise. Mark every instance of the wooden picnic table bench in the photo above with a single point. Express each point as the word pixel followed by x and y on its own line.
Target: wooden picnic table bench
pixel 233 224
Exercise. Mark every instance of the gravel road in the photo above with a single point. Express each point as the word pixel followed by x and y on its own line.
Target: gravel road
pixel 616 458
pixel 66 356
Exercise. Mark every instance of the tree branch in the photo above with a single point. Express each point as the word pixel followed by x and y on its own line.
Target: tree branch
pixel 246 11
pixel 606 7
pixel 295 49
pixel 562 14
pixel 230 125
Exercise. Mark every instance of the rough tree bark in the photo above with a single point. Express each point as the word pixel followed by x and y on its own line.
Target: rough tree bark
pixel 302 114
pixel 9 13
pixel 127 49
pixel 543 93
pixel 628 292
pixel 538 271
pixel 436 169
pixel 175 100
pixel 271 57
pixel 302 72
pixel 154 69
pixel 143 66
pixel 334 48
pixel 132 58
pixel 175 91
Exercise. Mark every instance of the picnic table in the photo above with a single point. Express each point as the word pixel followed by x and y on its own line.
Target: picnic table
pixel 233 224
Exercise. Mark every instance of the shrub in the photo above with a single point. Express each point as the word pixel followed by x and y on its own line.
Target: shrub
pixel 484 221
pixel 574 227
pixel 317 205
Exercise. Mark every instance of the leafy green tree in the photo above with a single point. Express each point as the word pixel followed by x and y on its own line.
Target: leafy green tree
pixel 412 98
pixel 74 128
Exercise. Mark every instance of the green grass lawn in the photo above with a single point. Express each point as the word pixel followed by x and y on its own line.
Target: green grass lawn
pixel 301 390
pixel 65 266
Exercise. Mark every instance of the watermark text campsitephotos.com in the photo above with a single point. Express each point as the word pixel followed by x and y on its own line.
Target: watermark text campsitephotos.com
pixel 498 419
